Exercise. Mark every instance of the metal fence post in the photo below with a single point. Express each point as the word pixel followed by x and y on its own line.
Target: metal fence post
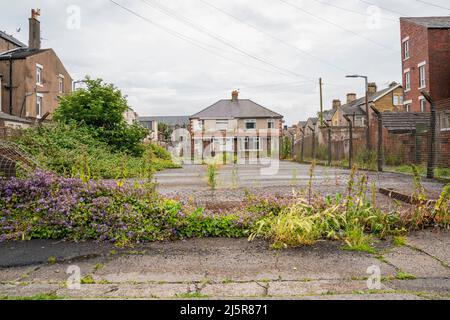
pixel 432 146
pixel 303 145
pixel 380 138
pixel 350 151
pixel 313 151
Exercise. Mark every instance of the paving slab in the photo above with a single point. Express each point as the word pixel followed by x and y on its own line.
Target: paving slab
pixel 434 242
pixel 421 285
pixel 327 260
pixel 127 291
pixel 27 290
pixel 416 263
pixel 297 288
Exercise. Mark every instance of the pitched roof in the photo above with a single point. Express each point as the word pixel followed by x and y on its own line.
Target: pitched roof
pixel 405 121
pixel 169 120
pixel 328 114
pixel 430 22
pixel 20 53
pixel 229 109
pixel 11 39
pixel 357 106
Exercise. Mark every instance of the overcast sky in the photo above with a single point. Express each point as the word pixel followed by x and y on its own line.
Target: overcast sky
pixel 176 57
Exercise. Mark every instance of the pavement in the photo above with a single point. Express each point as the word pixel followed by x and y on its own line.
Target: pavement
pixel 228 269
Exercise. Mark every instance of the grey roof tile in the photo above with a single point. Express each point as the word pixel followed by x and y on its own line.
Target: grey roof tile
pixel 11 39
pixel 430 22
pixel 242 108
pixel 169 120
pixel 20 53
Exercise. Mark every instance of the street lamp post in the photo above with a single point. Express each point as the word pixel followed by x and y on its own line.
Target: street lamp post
pixel 75 83
pixel 369 145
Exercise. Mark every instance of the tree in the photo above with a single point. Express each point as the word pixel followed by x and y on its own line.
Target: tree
pixel 101 107
pixel 165 131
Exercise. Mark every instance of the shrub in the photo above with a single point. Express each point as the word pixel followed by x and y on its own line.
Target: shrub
pixel 71 150
pixel 46 206
pixel 101 107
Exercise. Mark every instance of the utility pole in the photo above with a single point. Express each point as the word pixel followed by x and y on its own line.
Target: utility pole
pixel 321 102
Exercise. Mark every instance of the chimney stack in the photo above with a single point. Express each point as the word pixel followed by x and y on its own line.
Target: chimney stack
pixel 336 104
pixel 34 40
pixel 235 95
pixel 351 97
pixel 372 88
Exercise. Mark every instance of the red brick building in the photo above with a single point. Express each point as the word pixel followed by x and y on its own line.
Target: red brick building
pixel 425 60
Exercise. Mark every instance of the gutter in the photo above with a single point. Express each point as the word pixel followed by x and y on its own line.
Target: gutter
pixel 10 84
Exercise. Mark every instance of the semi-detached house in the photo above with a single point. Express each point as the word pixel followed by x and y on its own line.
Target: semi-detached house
pixel 236 127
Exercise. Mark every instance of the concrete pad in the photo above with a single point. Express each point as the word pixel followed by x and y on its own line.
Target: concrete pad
pixel 10 290
pixel 421 285
pixel 139 291
pixel 416 263
pixel 229 290
pixel 381 297
pixel 326 260
pixel 434 242
pixel 15 274
pixel 297 288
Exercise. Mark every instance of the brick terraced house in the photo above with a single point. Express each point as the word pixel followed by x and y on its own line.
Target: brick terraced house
pixel 425 60
pixel 32 79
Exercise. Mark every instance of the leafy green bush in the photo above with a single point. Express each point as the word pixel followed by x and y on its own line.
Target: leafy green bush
pixel 71 150
pixel 101 107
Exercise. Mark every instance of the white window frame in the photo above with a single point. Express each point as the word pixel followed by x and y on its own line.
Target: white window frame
pixel 445 121
pixel 250 121
pixel 61 81
pixel 407 105
pixel 406 49
pixel 422 107
pixel 220 123
pixel 422 75
pixel 39 75
pixel 407 73
pixel 39 106
pixel 269 123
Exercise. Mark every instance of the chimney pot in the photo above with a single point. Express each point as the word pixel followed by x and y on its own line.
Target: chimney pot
pixel 34 40
pixel 351 97
pixel 372 88
pixel 336 104
pixel 235 95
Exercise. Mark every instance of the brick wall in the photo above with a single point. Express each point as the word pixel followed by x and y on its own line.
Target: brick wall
pixel 433 47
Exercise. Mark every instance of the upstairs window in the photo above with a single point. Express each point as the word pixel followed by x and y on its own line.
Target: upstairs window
pixel 406 50
pixel 250 124
pixel 407 81
pixel 39 74
pixel 271 124
pixel 398 100
pixel 422 77
pixel 222 125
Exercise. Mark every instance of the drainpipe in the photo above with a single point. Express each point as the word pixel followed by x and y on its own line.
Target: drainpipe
pixel 10 85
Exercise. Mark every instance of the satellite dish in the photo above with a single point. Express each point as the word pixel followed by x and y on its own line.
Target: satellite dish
pixel 18 29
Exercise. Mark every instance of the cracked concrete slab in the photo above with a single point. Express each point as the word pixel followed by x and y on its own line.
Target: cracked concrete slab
pixel 421 285
pixel 327 260
pixel 434 242
pixel 297 288
pixel 416 263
